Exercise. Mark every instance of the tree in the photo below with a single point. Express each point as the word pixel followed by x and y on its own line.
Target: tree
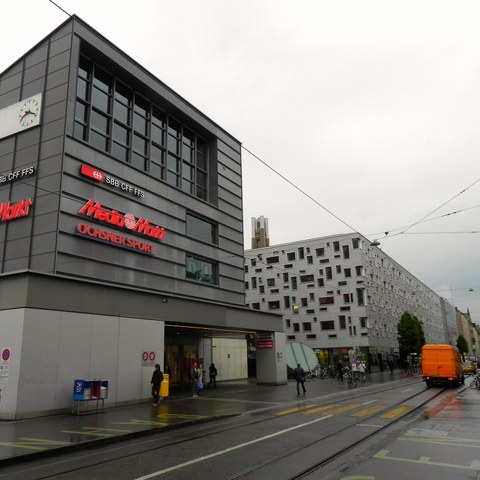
pixel 462 344
pixel 411 337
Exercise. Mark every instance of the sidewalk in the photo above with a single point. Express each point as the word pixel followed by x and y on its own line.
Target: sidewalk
pixel 27 439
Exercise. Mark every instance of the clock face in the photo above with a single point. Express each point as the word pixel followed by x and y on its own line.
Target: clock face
pixel 29 112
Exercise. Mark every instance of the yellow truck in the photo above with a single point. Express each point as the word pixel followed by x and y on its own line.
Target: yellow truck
pixel 442 364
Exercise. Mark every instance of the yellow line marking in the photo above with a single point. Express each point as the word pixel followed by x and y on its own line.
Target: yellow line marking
pixel 395 412
pixel 179 415
pixel 369 411
pixel 97 432
pixel 142 423
pixel 321 409
pixel 34 443
pixel 383 454
pixel 345 409
pixel 293 410
pixel 439 441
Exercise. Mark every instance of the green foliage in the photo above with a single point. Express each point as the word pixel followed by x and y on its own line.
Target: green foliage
pixel 462 344
pixel 411 337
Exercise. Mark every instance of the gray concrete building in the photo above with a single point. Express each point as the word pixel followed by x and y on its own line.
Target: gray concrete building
pixel 340 295
pixel 121 235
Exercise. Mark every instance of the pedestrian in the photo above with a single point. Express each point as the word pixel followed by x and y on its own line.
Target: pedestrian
pixel 195 375
pixel 299 376
pixel 340 371
pixel 363 371
pixel 390 365
pixel 212 371
pixel 157 377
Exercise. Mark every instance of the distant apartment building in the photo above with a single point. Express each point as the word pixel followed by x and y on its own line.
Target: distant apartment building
pixel 340 294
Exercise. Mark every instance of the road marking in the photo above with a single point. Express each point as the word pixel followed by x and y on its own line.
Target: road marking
pixel 293 410
pixel 368 425
pixel 407 390
pixel 382 454
pixel 97 432
pixel 321 409
pixel 230 449
pixel 396 411
pixel 142 423
pixel 442 441
pixel 371 401
pixel 34 443
pixel 345 409
pixel 369 411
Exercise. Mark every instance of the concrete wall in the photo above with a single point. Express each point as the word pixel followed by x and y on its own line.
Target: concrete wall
pixel 272 362
pixel 50 349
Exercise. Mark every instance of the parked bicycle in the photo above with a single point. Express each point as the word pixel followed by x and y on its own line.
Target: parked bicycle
pixel 413 371
pixel 475 383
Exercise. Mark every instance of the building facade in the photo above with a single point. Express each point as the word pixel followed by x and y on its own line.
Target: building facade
pixel 121 235
pixel 340 295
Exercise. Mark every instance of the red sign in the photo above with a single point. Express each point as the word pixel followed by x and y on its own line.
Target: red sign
pixel 99 176
pixel 265 344
pixel 92 173
pixel 10 212
pixel 113 217
pixel 94 233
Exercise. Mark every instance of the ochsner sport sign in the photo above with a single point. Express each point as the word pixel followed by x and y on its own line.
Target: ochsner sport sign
pixel 128 221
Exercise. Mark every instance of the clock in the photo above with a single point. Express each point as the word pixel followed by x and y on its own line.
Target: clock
pixel 21 116
pixel 29 112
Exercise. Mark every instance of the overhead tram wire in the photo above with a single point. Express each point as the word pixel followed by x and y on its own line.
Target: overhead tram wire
pixel 433 211
pixel 299 189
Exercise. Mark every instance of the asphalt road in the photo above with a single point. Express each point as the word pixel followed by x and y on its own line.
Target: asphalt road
pixel 395 431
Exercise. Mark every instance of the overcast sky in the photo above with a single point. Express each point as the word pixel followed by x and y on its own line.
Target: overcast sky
pixel 370 107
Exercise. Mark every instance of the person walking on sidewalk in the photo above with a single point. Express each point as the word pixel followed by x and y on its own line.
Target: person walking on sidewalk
pixel 363 371
pixel 299 376
pixel 157 378
pixel 340 371
pixel 212 371
pixel 195 375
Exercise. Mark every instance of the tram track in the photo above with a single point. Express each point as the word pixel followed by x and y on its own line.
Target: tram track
pixel 65 468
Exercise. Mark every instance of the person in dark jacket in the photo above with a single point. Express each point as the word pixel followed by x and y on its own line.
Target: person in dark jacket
pixel 157 378
pixel 299 376
pixel 212 371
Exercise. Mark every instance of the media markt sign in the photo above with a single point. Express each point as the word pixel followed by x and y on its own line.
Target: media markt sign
pixel 10 211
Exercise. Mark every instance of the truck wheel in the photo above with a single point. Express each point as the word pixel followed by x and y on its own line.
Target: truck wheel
pixel 429 383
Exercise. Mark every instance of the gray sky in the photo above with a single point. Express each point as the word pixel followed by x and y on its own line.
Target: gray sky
pixel 370 107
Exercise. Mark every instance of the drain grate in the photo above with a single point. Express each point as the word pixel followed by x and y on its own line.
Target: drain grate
pixel 425 432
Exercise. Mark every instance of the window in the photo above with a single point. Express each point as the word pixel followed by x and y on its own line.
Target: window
pixel 363 322
pixel 286 301
pixel 254 282
pixel 261 289
pixel 346 252
pixel 288 323
pixel 304 302
pixel 301 253
pixel 306 278
pixel 358 270
pixel 270 282
pixel 342 322
pixel 320 282
pixel 320 252
pixel 113 117
pixel 347 272
pixel 200 270
pixel 290 256
pixel 356 243
pixel 309 259
pixel 326 300
pixel 272 259
pixel 336 246
pixel 307 327
pixel 201 229
pixel 327 325
pixel 338 268
pixel 296 327
pixel 328 273
pixel 360 296
pixel 285 277
pixel 294 282
pixel 256 306
pixel 274 305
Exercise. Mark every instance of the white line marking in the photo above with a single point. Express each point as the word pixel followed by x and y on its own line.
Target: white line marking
pixel 368 425
pixel 371 401
pixel 228 450
pixel 406 390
